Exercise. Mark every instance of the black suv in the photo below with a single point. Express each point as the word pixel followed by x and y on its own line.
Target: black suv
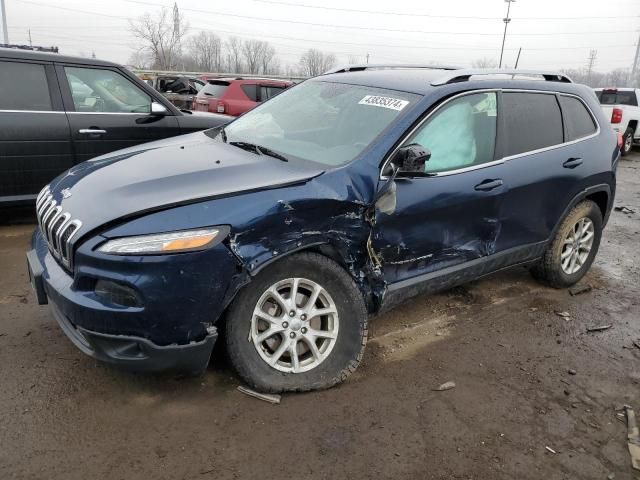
pixel 57 111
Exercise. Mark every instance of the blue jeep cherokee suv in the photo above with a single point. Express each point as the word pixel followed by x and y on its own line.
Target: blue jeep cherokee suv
pixel 336 199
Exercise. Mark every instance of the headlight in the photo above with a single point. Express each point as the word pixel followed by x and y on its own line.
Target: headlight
pixel 173 242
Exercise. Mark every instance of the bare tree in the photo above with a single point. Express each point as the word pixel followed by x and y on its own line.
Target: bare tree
pixel 353 59
pixel 252 51
pixel 139 59
pixel 161 36
pixel 234 55
pixel 315 62
pixel 484 63
pixel 269 64
pixel 206 51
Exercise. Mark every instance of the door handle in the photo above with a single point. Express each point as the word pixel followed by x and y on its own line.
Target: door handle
pixel 487 185
pixel 573 162
pixel 91 131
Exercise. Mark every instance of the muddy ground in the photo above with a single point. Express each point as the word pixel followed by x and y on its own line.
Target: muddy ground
pixel 64 416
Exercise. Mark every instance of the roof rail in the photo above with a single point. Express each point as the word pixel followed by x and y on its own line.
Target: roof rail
pixel 381 66
pixel 465 75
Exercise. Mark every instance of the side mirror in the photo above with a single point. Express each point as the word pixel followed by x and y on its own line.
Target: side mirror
pixel 410 159
pixel 157 109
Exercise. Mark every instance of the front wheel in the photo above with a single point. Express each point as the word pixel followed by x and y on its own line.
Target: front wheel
pixel 627 142
pixel 300 325
pixel 572 250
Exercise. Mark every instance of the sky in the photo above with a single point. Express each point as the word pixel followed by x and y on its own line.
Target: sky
pixel 553 34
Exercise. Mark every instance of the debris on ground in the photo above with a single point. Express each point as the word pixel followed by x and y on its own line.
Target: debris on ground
pixel 599 328
pixel 633 437
pixel 580 289
pixel 572 371
pixel 549 449
pixel 445 386
pixel 623 209
pixel 636 343
pixel 565 315
pixel 265 397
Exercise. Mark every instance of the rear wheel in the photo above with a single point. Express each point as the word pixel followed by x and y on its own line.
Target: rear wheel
pixel 627 142
pixel 300 325
pixel 571 253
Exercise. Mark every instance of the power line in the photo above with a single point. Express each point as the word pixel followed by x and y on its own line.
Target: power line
pixel 359 44
pixel 379 12
pixel 358 27
pixel 350 27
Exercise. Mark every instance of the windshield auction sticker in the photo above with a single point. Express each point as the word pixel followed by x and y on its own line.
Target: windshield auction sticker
pixel 385 102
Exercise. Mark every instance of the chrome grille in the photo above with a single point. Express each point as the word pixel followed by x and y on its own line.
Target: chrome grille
pixel 57 227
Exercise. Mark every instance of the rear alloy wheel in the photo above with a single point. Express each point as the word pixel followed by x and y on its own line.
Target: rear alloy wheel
pixel 301 324
pixel 627 142
pixel 577 246
pixel 573 248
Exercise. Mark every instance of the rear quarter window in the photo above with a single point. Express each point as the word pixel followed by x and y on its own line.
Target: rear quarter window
pixel 578 120
pixel 250 90
pixel 532 121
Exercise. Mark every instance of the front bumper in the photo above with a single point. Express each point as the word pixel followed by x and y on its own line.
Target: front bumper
pixel 173 328
pixel 137 353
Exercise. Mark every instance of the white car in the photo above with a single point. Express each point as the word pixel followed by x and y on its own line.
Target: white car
pixel 621 106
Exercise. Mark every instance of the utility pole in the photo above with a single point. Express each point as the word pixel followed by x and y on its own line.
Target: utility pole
pixel 30 42
pixel 506 21
pixel 367 58
pixel 590 63
pixel 5 31
pixel 636 63
pixel 518 59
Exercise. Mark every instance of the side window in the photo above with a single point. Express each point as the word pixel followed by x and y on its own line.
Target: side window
pixel 461 134
pixel 532 121
pixel 105 91
pixel 577 118
pixel 250 91
pixel 23 86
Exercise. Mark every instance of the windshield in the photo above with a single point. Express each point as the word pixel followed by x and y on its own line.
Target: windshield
pixel 614 97
pixel 329 123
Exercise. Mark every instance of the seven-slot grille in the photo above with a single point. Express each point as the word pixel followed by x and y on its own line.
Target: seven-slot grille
pixel 57 227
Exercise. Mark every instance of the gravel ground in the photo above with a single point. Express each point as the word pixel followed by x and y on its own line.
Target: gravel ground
pixel 65 416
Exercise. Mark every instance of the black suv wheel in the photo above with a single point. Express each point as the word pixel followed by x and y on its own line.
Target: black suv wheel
pixel 570 254
pixel 300 325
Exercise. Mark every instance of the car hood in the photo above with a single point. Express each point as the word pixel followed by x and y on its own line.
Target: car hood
pixel 166 173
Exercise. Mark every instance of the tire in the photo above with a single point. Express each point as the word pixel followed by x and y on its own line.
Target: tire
pixel 550 269
pixel 333 360
pixel 627 142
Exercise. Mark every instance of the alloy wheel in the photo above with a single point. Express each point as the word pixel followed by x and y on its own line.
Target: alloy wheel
pixel 295 325
pixel 577 245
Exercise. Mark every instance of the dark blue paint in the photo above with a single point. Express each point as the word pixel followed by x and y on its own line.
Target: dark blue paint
pixel 273 209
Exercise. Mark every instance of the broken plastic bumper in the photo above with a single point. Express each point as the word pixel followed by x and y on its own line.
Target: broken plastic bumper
pixel 137 353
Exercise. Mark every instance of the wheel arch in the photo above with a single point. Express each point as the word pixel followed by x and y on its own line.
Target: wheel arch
pixel 599 194
pixel 339 256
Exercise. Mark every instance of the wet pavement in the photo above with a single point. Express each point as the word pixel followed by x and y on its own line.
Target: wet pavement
pixel 526 379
